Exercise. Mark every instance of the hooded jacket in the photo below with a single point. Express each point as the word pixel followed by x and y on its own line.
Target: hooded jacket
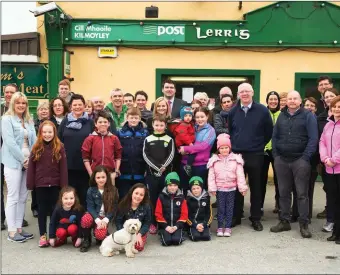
pixel 330 145
pixel 118 119
pixel 199 209
pixel 226 173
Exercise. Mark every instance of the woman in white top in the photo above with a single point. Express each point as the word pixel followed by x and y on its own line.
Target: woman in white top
pixel 18 135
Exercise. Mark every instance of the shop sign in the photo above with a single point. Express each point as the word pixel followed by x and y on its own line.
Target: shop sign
pixel 107 52
pixel 30 79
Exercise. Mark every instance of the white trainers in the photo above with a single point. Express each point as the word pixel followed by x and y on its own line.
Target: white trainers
pixel 220 232
pixel 328 227
pixel 227 232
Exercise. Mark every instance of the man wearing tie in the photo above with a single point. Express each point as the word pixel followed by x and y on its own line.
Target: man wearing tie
pixel 169 91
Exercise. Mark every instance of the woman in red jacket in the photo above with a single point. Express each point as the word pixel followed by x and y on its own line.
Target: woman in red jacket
pixel 46 173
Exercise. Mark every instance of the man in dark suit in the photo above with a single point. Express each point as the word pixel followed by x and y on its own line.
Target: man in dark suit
pixel 324 83
pixel 169 91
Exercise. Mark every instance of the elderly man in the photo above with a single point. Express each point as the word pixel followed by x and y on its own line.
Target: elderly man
pixel 98 105
pixel 116 108
pixel 250 128
pixel 294 142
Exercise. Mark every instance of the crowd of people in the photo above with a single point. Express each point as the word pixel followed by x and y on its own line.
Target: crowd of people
pixel 89 164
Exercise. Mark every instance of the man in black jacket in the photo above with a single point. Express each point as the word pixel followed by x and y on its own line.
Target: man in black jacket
pixel 250 129
pixel 324 83
pixel 294 142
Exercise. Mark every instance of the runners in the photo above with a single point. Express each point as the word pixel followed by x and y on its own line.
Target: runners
pixel 153 229
pixel 227 232
pixel 17 238
pixel 322 215
pixel 305 233
pixel 220 232
pixel 26 235
pixel 43 242
pixel 328 227
pixel 281 226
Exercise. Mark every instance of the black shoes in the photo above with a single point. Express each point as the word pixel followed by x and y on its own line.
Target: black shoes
pixel 3 226
pixel 305 233
pixel 257 225
pixel 322 215
pixel 24 223
pixel 85 246
pixel 235 222
pixel 98 242
pixel 332 238
pixel 35 213
pixel 281 226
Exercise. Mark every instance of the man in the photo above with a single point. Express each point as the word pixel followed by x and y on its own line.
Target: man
pixel 224 91
pixel 141 101
pixel 310 104
pixel 250 128
pixel 129 100
pixel 98 105
pixel 116 107
pixel 64 90
pixel 294 142
pixel 9 90
pixel 324 83
pixel 176 104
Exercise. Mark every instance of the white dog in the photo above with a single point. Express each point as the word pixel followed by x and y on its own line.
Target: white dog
pixel 122 239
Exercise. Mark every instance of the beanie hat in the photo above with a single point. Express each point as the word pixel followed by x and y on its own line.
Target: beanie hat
pixel 172 178
pixel 278 98
pixel 223 140
pixel 186 110
pixel 196 181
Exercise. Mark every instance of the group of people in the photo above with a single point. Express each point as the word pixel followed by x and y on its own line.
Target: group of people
pixel 90 165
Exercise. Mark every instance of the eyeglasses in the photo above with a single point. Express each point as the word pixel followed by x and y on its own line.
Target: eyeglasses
pixel 57 105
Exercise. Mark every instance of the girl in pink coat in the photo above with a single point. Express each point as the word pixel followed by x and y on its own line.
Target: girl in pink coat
pixel 226 175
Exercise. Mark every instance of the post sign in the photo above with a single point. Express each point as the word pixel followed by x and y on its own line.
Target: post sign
pixel 31 79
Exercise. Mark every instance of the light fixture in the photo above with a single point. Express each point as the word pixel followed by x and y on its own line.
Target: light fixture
pixel 44 8
pixel 207 79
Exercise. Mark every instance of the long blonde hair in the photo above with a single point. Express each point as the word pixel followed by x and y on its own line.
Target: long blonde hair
pixel 158 100
pixel 11 108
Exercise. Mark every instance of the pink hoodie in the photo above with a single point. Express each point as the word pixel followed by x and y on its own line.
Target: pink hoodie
pixel 226 172
pixel 329 146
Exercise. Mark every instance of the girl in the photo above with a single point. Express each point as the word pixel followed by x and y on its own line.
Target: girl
pixel 46 173
pixel 204 140
pixel 102 201
pixel 18 138
pixel 58 110
pixel 136 205
pixel 225 176
pixel 65 220
pixel 195 104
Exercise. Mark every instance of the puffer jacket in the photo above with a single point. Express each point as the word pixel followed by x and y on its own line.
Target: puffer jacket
pixel 199 209
pixel 330 145
pixel 226 172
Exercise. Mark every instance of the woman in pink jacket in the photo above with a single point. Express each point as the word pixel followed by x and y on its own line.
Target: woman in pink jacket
pixel 330 156
pixel 226 175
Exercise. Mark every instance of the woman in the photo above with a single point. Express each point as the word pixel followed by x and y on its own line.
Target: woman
pixel 330 156
pixel 161 107
pixel 203 98
pixel 18 138
pixel 221 119
pixel 73 130
pixel 205 138
pixel 89 108
pixel 58 110
pixel 273 104
pixel 43 113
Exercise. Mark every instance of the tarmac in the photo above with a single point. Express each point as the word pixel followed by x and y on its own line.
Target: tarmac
pixel 246 251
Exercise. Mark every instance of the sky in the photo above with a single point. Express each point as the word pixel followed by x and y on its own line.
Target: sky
pixel 16 17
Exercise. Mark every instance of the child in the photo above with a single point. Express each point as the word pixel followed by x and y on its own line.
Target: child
pixel 225 176
pixel 131 136
pixel 46 173
pixel 102 201
pixel 136 205
pixel 102 148
pixel 184 133
pixel 65 220
pixel 171 212
pixel 158 153
pixel 199 211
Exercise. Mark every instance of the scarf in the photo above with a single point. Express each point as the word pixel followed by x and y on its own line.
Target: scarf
pixel 74 123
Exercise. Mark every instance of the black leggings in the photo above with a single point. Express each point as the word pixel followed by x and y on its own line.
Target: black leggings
pixel 79 180
pixel 47 198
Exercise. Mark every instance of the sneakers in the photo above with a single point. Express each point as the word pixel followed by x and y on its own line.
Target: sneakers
pixel 322 215
pixel 328 227
pixel 26 235
pixel 281 226
pixel 227 232
pixel 257 225
pixel 220 232
pixel 43 242
pixel 305 233
pixel 153 229
pixel 17 238
pixel 187 169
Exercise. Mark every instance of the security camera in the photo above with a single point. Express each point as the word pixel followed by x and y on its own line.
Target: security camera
pixel 44 8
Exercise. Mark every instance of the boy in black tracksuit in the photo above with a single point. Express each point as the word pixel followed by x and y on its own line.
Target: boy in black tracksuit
pixel 171 212
pixel 199 211
pixel 158 153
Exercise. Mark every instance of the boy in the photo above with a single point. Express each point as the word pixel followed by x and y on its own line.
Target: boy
pixel 171 212
pixel 158 153
pixel 131 136
pixel 199 211
pixel 102 147
pixel 184 133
